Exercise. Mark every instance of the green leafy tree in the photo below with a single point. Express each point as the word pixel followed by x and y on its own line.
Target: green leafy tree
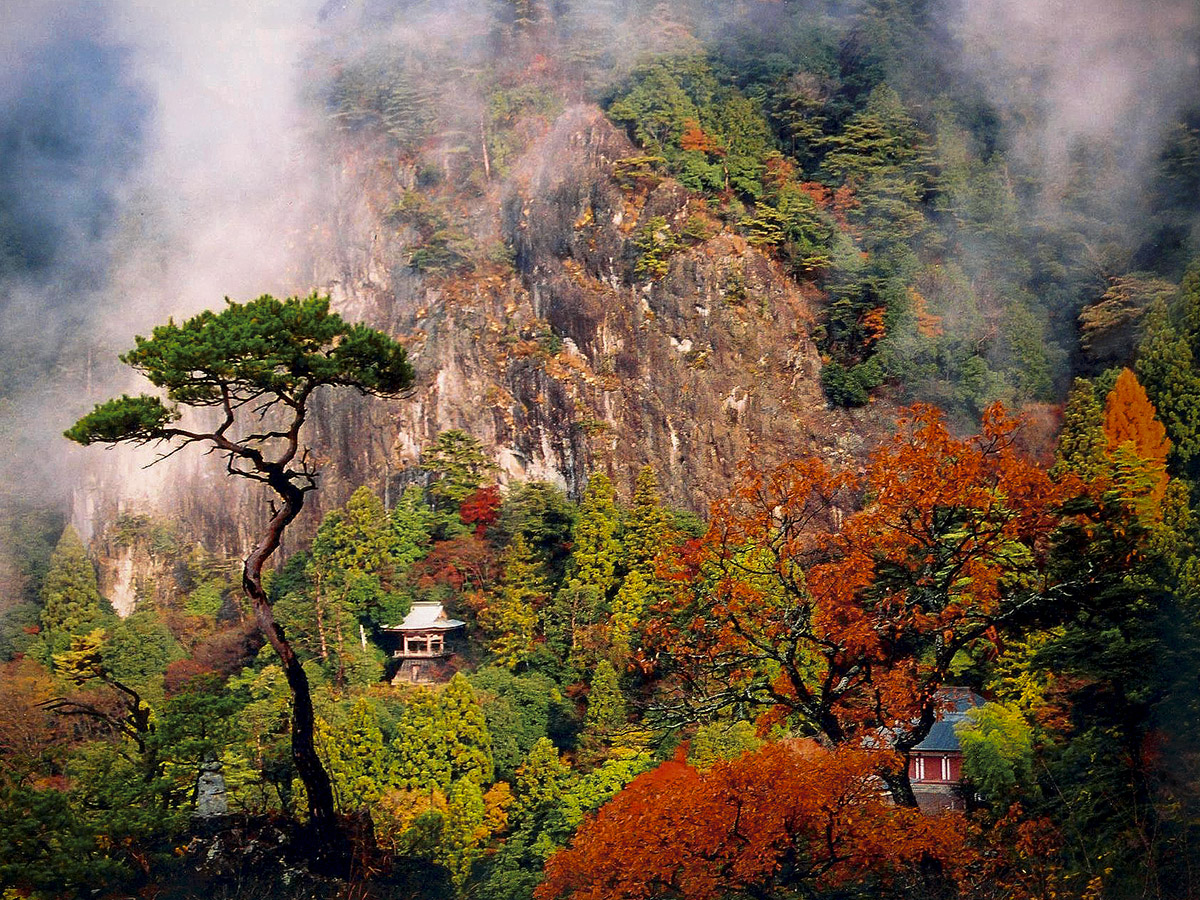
pixel 997 747
pixel 647 530
pixel 1082 444
pixel 541 513
pixel 520 710
pixel 413 521
pixel 353 570
pixel 722 739
pixel 585 595
pixel 139 648
pixel 268 356
pixel 1165 367
pixel 541 780
pixel 463 831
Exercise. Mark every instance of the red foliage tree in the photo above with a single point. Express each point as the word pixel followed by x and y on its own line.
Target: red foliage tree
pixel 848 629
pixel 789 815
pixel 481 508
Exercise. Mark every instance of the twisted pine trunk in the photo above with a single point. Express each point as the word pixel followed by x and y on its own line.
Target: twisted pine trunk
pixel 304 752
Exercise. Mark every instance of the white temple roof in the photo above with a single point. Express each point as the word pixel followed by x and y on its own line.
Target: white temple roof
pixel 424 617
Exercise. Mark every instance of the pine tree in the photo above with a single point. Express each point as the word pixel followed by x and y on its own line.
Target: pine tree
pixel 512 615
pixel 71 602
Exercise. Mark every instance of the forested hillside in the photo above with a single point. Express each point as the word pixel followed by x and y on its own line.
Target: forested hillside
pixel 721 405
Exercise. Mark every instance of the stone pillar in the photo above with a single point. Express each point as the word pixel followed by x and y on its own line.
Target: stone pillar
pixel 211 802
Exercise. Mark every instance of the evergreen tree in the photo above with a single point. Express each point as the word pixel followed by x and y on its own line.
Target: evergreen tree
pixel 420 745
pixel 1082 444
pixel 469 742
pixel 360 765
pixel 71 602
pixel 511 616
pixel 352 568
pixel 443 737
pixel 139 648
pixel 605 716
pixel 463 831
pixel 647 530
pixel 646 527
pixel 1165 367
pixel 413 522
pixel 584 597
pixel 458 465
pixel 595 549
pixel 540 512
pixel 541 781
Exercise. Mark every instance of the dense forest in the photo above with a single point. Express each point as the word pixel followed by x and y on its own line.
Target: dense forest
pixel 634 693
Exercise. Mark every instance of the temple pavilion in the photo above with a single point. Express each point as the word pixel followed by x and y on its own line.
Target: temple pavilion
pixel 423 647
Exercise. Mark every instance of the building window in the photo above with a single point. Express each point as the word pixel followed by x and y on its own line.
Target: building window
pixel 945 768
pixel 919 769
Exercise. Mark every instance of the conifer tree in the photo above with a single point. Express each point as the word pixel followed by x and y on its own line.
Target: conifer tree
pixel 71 602
pixel 584 597
pixel 266 357
pixel 442 738
pixel 1082 444
pixel 469 741
pixel 605 715
pixel 463 830
pixel 512 615
pixel 422 761
pixel 1165 367
pixel 1137 443
pixel 359 763
pixel 596 550
pixel 352 567
pixel 541 781
pixel 413 522
pixel 647 524
pixel 458 465
pixel 645 533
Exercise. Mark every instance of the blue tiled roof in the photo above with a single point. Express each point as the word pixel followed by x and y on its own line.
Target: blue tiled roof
pixel 941 737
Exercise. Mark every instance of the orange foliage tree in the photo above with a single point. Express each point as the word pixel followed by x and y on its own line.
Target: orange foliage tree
pixel 1137 440
pixel 789 815
pixel 846 625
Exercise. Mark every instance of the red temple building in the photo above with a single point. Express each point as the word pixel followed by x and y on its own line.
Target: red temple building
pixel 935 765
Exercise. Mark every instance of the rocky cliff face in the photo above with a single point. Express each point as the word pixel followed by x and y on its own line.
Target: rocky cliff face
pixel 551 352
